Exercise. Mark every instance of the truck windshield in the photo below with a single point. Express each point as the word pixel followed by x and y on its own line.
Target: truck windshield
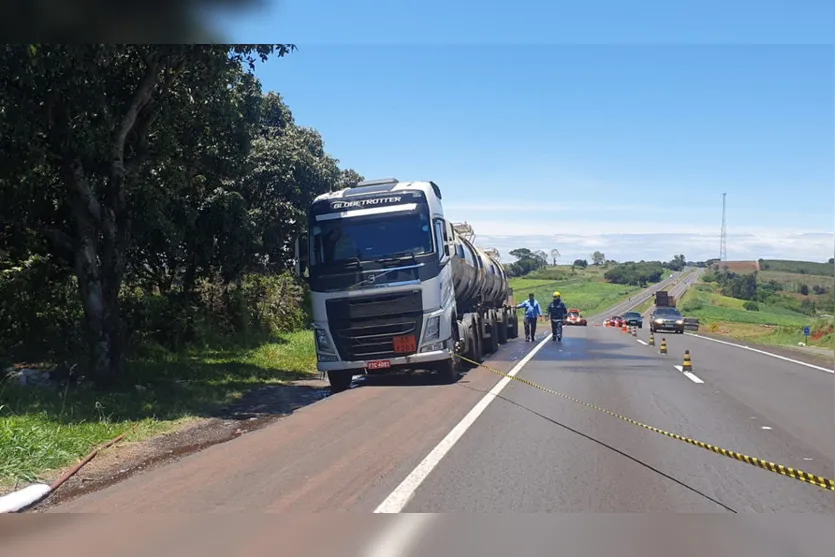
pixel 369 238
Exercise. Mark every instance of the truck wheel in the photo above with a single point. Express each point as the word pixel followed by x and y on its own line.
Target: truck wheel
pixel 494 333
pixel 340 380
pixel 448 371
pixel 502 327
pixel 478 343
pixel 514 325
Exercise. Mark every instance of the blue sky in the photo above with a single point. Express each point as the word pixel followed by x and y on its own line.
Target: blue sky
pixel 625 147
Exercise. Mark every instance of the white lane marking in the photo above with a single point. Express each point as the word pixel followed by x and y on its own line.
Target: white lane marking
pixel 691 376
pixel 403 533
pixel 401 495
pixel 642 342
pixel 765 427
pixel 764 352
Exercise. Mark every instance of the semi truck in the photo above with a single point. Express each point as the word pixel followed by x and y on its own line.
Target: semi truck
pixel 664 299
pixel 395 287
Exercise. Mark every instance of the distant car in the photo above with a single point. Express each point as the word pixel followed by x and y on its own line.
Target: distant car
pixel 574 318
pixel 665 318
pixel 617 321
pixel 634 319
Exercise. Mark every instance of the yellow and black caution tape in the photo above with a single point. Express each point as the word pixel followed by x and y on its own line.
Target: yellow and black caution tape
pixel 819 481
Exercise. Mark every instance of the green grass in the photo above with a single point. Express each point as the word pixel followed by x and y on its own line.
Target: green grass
pixel 587 293
pixel 799 267
pixel 795 279
pixel 43 430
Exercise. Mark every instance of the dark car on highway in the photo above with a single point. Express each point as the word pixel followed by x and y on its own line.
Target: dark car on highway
pixel 634 319
pixel 667 319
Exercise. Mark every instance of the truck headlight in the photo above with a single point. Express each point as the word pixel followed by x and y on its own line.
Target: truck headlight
pixel 680 322
pixel 323 341
pixel 659 320
pixel 433 328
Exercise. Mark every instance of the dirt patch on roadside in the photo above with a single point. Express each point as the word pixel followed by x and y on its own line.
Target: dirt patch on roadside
pixel 256 410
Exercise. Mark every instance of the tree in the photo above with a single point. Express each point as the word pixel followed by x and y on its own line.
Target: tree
pixel 678 263
pixel 555 253
pixel 582 263
pixel 831 261
pixel 598 258
pixel 84 124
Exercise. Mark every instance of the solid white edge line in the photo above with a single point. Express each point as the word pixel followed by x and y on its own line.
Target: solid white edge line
pixel 765 353
pixel 642 342
pixel 396 540
pixel 691 376
pixel 402 494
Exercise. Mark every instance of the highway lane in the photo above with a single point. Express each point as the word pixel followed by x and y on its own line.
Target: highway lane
pixel 779 394
pixel 534 452
pixel 346 452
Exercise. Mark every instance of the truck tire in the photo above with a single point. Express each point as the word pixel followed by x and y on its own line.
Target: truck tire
pixel 514 325
pixel 340 380
pixel 493 346
pixel 502 326
pixel 448 371
pixel 477 352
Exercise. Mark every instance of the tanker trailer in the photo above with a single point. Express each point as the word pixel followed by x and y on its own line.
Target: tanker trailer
pixel 484 312
pixel 393 287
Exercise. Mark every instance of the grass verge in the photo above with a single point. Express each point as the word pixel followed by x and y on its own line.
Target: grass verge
pixel 771 325
pixel 590 295
pixel 42 429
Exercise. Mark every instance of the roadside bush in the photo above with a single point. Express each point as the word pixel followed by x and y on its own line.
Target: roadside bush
pixel 40 311
pixel 262 305
pixel 751 306
pixel 693 305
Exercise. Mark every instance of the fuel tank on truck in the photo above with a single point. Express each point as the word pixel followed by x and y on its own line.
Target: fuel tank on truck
pixel 476 275
pixel 496 285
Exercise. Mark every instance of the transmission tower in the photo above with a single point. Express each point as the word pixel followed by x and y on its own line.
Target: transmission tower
pixel 723 236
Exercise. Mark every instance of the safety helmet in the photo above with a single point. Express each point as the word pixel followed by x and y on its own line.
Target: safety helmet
pixel 556 294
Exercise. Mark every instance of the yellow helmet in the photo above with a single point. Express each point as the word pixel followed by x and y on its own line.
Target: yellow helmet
pixel 556 294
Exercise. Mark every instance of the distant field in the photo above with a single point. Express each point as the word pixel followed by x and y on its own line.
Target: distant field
pixel 795 279
pixel 585 289
pixel 740 266
pixel 799 267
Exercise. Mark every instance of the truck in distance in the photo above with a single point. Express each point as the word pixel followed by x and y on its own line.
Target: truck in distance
pixel 394 286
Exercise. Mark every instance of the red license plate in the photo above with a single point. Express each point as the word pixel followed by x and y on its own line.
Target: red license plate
pixel 379 364
pixel 405 344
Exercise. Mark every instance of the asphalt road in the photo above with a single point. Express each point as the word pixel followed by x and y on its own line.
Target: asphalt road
pixel 528 451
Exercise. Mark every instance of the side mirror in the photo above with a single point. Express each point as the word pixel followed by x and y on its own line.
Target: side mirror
pixel 301 256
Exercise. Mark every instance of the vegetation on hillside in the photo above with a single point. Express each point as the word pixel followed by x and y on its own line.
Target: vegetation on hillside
pixel 771 306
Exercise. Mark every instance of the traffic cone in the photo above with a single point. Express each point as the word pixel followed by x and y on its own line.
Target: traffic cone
pixel 651 339
pixel 663 345
pixel 623 328
pixel 634 331
pixel 687 365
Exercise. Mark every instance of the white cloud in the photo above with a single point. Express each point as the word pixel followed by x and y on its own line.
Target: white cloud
pixel 808 246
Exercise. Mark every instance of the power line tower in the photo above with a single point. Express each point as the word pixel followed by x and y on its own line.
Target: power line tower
pixel 723 237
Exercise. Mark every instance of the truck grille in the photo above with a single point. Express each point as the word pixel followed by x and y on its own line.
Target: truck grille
pixel 364 328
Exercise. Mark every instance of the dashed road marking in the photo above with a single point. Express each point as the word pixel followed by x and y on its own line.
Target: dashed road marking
pixel 691 376
pixel 765 427
pixel 642 342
